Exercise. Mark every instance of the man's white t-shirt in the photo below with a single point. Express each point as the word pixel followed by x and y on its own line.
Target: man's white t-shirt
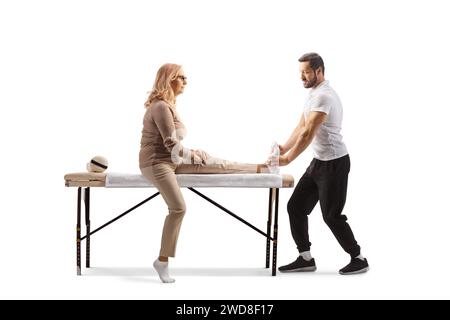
pixel 327 144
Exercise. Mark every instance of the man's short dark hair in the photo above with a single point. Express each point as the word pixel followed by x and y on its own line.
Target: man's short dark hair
pixel 315 61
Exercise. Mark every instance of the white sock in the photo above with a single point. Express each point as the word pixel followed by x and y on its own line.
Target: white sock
pixel 360 257
pixel 306 255
pixel 162 267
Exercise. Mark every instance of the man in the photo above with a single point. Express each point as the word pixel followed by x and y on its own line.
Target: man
pixel 325 180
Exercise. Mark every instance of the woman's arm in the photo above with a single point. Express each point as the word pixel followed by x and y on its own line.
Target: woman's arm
pixel 164 120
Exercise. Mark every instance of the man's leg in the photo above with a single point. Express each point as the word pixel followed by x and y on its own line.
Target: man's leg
pixel 300 205
pixel 332 177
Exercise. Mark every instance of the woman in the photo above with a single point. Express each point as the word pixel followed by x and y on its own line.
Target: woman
pixel 162 156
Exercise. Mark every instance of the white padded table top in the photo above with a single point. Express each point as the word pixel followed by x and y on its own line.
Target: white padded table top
pixel 129 180
pixel 257 180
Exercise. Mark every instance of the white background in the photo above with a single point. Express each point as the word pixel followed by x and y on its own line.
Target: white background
pixel 74 76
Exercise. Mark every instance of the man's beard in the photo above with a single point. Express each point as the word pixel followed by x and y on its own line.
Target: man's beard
pixel 311 83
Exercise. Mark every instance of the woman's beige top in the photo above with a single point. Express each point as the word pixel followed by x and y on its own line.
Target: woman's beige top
pixel 161 132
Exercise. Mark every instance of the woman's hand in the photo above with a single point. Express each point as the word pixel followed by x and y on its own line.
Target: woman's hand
pixel 202 154
pixel 196 159
pixel 199 157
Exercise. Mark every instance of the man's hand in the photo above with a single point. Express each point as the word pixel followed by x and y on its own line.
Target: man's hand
pixel 283 161
pixel 282 149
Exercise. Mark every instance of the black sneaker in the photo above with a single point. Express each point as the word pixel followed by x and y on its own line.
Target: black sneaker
pixel 355 266
pixel 299 265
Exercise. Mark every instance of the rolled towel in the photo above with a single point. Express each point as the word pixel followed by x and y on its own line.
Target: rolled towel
pixel 97 164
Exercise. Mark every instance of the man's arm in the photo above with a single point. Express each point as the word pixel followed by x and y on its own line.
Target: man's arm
pixel 293 138
pixel 304 137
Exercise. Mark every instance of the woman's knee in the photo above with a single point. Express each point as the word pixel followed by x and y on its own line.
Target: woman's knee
pixel 179 209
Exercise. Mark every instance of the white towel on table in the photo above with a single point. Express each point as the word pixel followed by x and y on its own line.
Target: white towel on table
pixel 232 180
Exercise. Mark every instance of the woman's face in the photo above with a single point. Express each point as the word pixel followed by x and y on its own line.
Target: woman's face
pixel 179 83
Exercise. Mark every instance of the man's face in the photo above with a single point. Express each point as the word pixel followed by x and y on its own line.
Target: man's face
pixel 308 76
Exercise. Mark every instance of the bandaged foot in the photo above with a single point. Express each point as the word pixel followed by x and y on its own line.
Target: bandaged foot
pixel 274 159
pixel 162 267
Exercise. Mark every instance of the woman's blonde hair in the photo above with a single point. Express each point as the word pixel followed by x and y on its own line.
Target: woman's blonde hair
pixel 162 90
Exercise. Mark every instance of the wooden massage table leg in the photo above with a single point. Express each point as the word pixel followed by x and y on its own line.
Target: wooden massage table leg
pixel 269 228
pixel 87 204
pixel 78 239
pixel 275 235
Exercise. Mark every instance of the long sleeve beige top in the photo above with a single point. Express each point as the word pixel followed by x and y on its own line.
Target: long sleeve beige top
pixel 162 131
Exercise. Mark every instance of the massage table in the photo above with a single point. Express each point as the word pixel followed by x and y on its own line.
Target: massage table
pixel 84 181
